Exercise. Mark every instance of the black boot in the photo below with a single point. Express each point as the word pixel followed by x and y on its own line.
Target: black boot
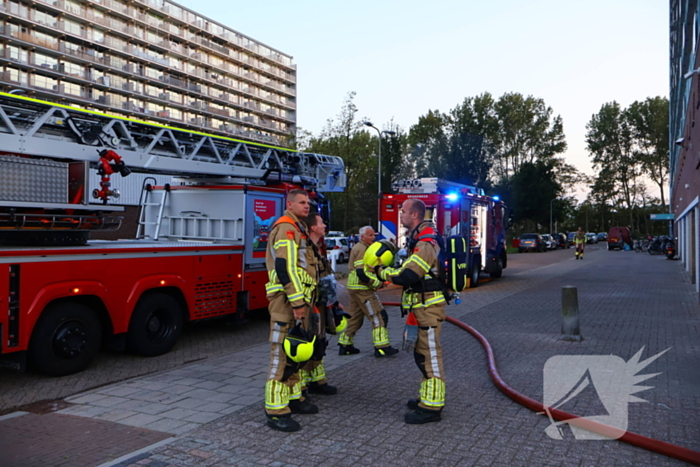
pixel 304 408
pixel 325 389
pixel 385 351
pixel 348 350
pixel 412 404
pixel 283 422
pixel 419 415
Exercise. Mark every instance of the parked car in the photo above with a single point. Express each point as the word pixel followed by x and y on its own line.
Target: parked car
pixel 338 248
pixel 549 241
pixel 570 238
pixel 591 237
pixel 562 241
pixel 618 237
pixel 531 241
pixel 602 237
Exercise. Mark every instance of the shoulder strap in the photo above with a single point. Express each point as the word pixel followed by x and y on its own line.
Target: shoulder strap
pixel 289 220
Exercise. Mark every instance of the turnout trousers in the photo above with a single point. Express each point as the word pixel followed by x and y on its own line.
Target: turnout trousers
pixel 428 356
pixel 283 380
pixel 366 303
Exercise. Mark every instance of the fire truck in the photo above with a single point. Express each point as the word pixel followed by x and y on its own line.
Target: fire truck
pixel 199 249
pixel 455 209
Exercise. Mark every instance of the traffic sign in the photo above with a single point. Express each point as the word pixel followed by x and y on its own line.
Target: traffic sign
pixel 661 217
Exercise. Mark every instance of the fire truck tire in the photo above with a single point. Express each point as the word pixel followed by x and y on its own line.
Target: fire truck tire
pixel 155 325
pixel 498 272
pixel 474 276
pixel 65 339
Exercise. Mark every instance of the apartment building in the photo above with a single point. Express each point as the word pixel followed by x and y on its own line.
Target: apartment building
pixel 152 60
pixel 684 134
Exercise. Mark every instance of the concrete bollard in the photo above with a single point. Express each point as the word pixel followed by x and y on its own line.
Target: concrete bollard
pixel 570 326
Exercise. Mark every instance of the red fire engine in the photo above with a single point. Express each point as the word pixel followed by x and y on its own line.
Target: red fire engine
pixel 200 246
pixel 455 209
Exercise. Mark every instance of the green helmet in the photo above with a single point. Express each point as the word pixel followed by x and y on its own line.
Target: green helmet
pixel 380 253
pixel 298 346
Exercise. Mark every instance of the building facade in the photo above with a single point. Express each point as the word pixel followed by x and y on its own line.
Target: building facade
pixel 152 60
pixel 684 133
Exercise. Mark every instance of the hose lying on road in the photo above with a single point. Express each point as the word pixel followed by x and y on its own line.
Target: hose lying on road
pixel 661 447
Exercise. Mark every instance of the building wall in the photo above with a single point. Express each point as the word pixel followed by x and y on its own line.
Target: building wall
pixel 153 60
pixel 685 133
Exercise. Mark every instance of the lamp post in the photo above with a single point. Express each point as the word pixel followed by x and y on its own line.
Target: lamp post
pixel 379 172
pixel 550 215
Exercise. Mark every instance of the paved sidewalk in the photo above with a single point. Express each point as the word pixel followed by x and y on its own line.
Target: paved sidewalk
pixel 627 301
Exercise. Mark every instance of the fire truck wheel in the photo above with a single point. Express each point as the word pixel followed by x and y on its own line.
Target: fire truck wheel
pixel 155 325
pixel 498 272
pixel 65 339
pixel 474 277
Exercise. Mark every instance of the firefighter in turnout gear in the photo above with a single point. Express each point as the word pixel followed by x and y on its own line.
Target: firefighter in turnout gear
pixel 291 292
pixel 313 374
pixel 362 285
pixel 423 297
pixel 580 242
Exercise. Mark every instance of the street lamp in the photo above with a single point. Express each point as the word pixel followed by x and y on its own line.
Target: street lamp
pixel 550 215
pixel 379 172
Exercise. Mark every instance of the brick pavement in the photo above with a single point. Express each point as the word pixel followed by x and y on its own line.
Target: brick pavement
pixel 74 441
pixel 519 315
pixel 652 307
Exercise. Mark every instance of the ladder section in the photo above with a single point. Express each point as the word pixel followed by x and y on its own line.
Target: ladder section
pixel 39 128
pixel 146 196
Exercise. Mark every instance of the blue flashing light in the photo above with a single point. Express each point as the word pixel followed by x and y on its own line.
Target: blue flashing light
pixel 496 198
pixel 452 196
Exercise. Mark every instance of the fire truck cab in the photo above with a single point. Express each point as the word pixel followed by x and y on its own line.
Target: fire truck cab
pixel 455 209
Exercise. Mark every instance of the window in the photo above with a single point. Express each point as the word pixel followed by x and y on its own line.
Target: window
pixel 73 89
pixel 43 82
pixel 43 18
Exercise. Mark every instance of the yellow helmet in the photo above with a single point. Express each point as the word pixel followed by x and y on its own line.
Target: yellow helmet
pixel 380 253
pixel 298 346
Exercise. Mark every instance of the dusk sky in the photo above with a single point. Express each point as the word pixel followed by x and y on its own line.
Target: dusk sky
pixel 403 58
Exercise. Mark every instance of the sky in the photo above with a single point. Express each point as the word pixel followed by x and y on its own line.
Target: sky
pixel 403 58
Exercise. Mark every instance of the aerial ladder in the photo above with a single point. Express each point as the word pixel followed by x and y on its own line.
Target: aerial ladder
pixel 47 149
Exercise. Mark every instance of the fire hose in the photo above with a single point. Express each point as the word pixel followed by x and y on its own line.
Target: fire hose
pixel 650 444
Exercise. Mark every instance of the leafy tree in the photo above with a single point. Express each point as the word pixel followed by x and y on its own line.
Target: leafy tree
pixel 610 142
pixel 526 132
pixel 356 206
pixel 649 125
pixel 534 186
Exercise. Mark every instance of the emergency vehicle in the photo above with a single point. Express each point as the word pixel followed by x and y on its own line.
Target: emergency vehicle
pixel 200 246
pixel 455 209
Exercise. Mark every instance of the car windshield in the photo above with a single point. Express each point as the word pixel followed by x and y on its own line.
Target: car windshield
pixel 330 243
pixel 529 237
pixel 545 237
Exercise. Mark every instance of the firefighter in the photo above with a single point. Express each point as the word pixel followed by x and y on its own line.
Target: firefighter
pixel 291 292
pixel 313 373
pixel 362 285
pixel 580 242
pixel 423 296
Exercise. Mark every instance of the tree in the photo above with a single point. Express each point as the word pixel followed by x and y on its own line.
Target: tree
pixel 356 206
pixel 610 142
pixel 534 186
pixel 526 132
pixel 649 124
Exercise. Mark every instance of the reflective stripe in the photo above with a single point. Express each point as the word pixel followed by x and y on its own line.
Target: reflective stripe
pixel 380 336
pixel 432 392
pixel 276 395
pixel 373 316
pixel 317 374
pixel 295 392
pixel 420 262
pixel 275 363
pixel 432 351
pixel 359 263
pixel 343 339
